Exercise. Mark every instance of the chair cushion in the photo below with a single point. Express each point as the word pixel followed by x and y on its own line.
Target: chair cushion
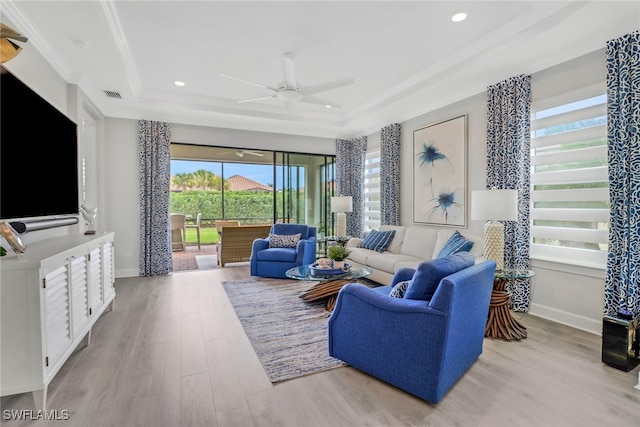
pixel 456 243
pixel 427 277
pixel 287 228
pixel 277 254
pixel 284 240
pixel 399 289
pixel 378 240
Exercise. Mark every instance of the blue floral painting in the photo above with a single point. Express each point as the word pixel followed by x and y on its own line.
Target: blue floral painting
pixel 439 173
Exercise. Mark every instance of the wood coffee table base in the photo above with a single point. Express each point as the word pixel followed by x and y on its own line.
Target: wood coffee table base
pixel 501 323
pixel 328 289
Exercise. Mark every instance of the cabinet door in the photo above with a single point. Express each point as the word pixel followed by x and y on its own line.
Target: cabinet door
pixel 95 279
pixel 80 308
pixel 108 270
pixel 57 316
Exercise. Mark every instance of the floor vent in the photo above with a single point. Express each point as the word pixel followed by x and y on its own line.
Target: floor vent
pixel 112 94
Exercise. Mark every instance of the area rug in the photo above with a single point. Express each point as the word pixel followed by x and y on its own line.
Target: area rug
pixel 289 336
pixel 207 262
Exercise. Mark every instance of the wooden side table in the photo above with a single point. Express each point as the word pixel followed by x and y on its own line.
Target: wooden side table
pixel 501 323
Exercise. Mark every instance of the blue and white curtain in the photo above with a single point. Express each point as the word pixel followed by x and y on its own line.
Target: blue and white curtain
pixel 623 133
pixel 390 175
pixel 508 163
pixel 350 159
pixel 155 176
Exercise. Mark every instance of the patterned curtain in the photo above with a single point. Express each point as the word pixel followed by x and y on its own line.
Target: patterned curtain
pixel 508 162
pixel 390 175
pixel 623 133
pixel 350 159
pixel 155 233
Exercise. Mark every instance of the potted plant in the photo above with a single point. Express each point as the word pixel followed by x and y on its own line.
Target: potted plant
pixel 338 253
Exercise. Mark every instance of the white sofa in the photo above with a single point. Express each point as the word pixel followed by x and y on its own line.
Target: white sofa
pixel 409 247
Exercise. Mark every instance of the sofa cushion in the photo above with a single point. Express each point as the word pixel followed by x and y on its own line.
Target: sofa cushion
pixel 398 237
pixel 456 243
pixel 425 281
pixel 419 242
pixel 277 255
pixel 378 240
pixel 399 289
pixel 389 262
pixel 284 240
pixel 360 255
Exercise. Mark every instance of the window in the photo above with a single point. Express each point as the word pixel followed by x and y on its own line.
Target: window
pixel 372 191
pixel 569 181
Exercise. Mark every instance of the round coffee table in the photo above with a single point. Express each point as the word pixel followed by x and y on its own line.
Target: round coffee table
pixel 327 286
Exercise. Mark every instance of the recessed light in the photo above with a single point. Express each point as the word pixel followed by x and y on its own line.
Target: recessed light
pixel 179 83
pixel 328 106
pixel 459 17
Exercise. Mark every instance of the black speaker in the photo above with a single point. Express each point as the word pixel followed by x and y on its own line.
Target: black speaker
pixel 621 342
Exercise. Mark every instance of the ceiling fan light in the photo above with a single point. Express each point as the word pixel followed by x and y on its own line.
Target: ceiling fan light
pixel 289 95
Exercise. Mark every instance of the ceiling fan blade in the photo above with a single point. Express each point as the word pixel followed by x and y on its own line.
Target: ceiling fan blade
pixel 259 98
pixel 288 70
pixel 249 82
pixel 253 153
pixel 320 101
pixel 321 87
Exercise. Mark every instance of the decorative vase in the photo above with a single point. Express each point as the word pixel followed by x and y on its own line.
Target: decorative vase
pixel 338 264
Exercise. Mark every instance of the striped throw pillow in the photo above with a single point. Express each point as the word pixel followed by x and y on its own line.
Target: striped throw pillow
pixel 456 243
pixel 378 240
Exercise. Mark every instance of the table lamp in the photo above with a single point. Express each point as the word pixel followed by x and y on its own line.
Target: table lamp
pixel 340 205
pixel 494 206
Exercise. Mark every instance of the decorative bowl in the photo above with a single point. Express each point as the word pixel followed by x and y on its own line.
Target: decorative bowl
pixel 316 271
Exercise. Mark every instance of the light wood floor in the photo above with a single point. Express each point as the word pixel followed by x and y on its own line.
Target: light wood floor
pixel 173 353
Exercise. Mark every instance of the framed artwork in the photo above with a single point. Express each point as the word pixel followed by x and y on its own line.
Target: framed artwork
pixel 440 173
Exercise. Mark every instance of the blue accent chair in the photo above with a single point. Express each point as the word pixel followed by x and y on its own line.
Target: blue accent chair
pixel 274 262
pixel 421 346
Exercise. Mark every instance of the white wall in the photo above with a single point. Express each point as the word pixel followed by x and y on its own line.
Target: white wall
pixel 564 293
pixel 567 294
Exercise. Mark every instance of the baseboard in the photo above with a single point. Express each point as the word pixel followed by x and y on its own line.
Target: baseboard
pixel 586 324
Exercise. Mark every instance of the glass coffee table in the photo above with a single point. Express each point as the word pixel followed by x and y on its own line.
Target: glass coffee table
pixel 326 286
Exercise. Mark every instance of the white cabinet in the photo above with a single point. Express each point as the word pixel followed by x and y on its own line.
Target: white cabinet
pixel 49 300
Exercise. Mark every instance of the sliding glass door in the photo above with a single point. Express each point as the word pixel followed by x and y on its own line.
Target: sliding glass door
pixel 252 186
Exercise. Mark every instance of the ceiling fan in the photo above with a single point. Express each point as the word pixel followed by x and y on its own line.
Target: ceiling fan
pixel 289 91
pixel 241 153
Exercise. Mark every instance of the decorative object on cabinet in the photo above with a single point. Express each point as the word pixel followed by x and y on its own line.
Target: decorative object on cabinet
pixel 440 173
pixel 89 215
pixel 12 238
pixel 494 206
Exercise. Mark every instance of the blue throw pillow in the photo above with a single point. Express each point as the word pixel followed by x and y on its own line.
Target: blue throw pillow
pixel 378 240
pixel 456 243
pixel 427 277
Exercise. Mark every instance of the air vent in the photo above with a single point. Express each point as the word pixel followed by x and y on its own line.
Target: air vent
pixel 112 94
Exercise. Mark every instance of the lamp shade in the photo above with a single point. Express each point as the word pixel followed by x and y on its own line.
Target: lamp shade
pixel 495 205
pixel 341 204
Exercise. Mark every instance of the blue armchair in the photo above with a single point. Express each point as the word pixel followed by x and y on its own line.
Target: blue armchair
pixel 422 346
pixel 268 261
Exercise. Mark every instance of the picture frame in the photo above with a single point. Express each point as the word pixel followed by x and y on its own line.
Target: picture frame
pixel 440 173
pixel 12 238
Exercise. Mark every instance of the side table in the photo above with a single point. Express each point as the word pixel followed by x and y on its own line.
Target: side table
pixel 501 323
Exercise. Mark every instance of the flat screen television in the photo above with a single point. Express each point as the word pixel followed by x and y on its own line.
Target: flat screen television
pixel 38 154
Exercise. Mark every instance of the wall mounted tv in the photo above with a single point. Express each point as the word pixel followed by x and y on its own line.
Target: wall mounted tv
pixel 38 154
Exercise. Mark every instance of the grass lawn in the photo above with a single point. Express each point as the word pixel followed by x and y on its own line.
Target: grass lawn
pixel 208 235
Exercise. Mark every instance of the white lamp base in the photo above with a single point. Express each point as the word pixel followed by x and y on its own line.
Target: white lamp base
pixel 341 220
pixel 494 243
